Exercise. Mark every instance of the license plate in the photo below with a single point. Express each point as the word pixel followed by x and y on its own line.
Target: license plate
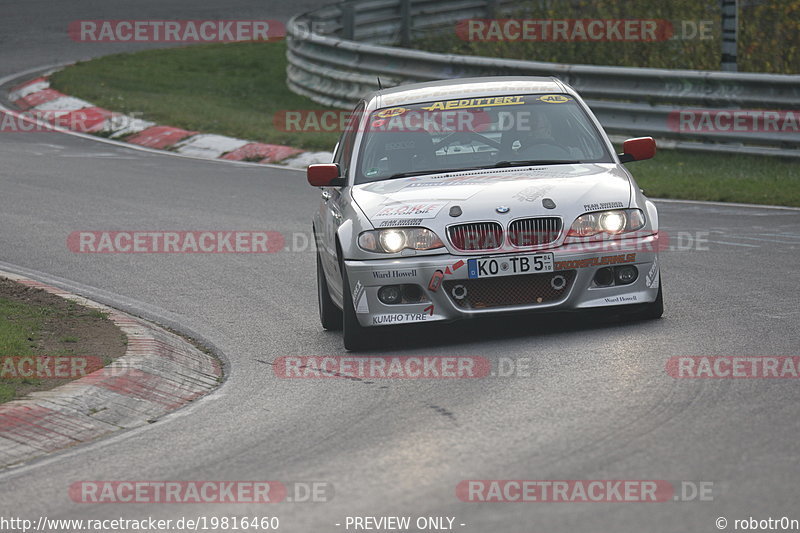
pixel 509 265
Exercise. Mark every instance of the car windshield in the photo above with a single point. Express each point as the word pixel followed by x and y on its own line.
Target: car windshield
pixel 475 133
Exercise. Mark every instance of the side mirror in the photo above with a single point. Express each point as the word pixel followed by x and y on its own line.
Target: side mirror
pixel 324 175
pixel 638 149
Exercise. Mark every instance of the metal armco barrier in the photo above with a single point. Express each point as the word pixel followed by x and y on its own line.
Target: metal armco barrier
pixel 337 52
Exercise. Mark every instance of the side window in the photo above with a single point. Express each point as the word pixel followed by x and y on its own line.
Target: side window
pixel 344 151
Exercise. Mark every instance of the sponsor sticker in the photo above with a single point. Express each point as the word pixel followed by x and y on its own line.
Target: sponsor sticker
pixel 651 280
pixel 399 318
pixel 475 102
pixel 400 222
pixel 421 210
pixel 596 261
pixel 394 274
pixel 391 112
pixel 620 299
pixel 532 193
pixel 603 205
pixel 554 98
pixel 360 298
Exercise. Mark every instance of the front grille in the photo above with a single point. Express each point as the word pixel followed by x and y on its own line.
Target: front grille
pixel 534 231
pixel 507 291
pixel 476 236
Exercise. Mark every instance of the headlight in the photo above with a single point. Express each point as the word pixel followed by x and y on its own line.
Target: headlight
pixel 391 241
pixel 608 222
pixel 613 222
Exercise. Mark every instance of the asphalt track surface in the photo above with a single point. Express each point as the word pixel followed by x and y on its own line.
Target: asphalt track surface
pixel 598 403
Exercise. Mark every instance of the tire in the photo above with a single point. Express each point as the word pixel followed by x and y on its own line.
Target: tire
pixel 355 336
pixel 653 310
pixel 329 314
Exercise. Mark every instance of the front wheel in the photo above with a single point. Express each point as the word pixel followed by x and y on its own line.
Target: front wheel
pixel 653 310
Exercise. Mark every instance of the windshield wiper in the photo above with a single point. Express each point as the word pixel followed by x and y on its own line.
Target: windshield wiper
pixel 501 164
pixel 432 171
pixel 534 162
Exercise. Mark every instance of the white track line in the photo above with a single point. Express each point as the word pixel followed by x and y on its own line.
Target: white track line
pixel 735 244
pixel 761 239
pixel 724 204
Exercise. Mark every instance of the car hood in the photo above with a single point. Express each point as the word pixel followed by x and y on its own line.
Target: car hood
pixel 483 195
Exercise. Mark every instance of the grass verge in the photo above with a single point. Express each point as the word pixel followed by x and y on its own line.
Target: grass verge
pixel 232 89
pixel 722 178
pixel 36 323
pixel 236 89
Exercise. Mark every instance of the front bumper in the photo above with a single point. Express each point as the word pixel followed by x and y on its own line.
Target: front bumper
pixel 575 266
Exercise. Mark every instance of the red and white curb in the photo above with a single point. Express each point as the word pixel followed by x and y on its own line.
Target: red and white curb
pixel 159 373
pixel 36 96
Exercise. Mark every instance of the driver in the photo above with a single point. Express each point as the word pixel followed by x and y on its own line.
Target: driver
pixel 539 130
pixel 534 139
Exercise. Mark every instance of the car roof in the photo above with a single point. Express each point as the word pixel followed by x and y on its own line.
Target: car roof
pixel 464 87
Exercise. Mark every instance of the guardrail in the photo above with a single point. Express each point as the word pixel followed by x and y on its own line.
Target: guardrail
pixel 336 53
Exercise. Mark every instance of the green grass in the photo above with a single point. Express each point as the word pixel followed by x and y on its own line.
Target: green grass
pixel 234 89
pixel 722 178
pixel 19 325
pixel 55 328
